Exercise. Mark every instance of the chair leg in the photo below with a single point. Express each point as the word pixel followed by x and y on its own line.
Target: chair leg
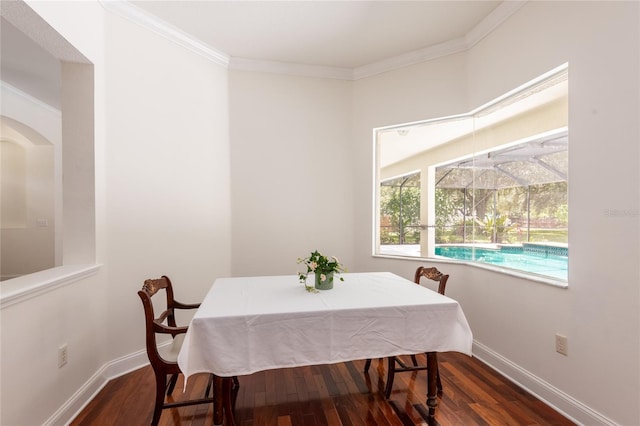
pixel 161 384
pixel 391 371
pixel 172 384
pixel 209 386
pixel 415 361
pixel 236 383
pixel 439 382
pixel 367 364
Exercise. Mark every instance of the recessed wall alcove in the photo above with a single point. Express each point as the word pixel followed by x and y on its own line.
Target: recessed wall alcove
pixel 48 221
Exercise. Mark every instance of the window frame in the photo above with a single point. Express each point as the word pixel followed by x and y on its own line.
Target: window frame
pixel 402 130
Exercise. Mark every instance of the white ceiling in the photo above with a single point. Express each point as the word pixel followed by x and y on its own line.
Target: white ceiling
pixel 343 34
pixel 337 34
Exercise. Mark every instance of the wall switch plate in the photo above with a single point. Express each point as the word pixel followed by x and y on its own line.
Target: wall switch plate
pixel 562 344
pixel 62 355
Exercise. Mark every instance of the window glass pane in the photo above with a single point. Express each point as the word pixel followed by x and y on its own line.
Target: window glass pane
pixel 489 186
pixel 400 214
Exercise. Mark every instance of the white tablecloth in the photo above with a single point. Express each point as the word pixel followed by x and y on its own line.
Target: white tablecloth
pixel 251 324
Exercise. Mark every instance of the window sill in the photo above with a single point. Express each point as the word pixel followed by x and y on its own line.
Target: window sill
pixel 524 275
pixel 22 288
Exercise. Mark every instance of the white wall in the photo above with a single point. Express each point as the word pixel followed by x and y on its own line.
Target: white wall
pixel 516 318
pixel 32 386
pixel 28 246
pixel 292 175
pixel 162 206
pixel 166 172
pixel 600 40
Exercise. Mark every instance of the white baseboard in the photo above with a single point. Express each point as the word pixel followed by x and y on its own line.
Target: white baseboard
pixel 118 367
pixel 560 401
pixel 552 396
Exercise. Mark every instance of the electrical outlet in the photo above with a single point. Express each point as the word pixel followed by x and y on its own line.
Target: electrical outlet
pixel 562 344
pixel 62 355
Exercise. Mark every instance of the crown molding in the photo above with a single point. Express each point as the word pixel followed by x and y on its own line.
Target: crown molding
pixel 138 16
pixel 479 32
pixel 493 21
pixel 243 64
pixel 410 58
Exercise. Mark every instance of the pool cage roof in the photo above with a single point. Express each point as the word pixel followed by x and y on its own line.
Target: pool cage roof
pixel 525 164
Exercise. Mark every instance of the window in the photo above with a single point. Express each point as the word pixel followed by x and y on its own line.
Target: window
pixel 488 187
pixel 400 212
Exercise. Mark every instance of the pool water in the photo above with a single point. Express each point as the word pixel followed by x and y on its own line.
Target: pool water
pixel 537 261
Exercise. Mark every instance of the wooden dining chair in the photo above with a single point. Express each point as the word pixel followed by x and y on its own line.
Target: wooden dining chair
pixel 163 358
pixel 396 364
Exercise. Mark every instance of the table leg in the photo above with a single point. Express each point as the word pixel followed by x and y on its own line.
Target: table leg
pixel 222 404
pixel 228 405
pixel 432 383
pixel 218 413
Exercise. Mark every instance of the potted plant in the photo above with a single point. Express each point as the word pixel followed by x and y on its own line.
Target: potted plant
pixel 323 268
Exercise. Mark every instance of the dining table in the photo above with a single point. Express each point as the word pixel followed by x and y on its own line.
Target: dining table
pixel 256 323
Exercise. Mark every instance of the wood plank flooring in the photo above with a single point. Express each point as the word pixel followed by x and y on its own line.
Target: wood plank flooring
pixel 338 394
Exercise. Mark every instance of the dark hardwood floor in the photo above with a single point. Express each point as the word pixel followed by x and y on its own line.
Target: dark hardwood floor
pixel 338 394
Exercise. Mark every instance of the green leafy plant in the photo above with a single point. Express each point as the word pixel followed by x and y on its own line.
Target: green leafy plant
pixel 322 265
pixel 496 228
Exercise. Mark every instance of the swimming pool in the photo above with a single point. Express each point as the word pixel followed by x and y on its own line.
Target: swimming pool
pixel 550 261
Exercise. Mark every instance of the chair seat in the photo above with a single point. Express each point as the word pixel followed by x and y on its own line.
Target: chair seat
pixel 169 351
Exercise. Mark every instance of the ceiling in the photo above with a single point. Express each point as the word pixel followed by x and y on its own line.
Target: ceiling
pixel 343 34
pixel 337 34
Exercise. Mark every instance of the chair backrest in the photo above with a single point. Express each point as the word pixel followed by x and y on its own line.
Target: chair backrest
pixel 155 324
pixel 432 274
